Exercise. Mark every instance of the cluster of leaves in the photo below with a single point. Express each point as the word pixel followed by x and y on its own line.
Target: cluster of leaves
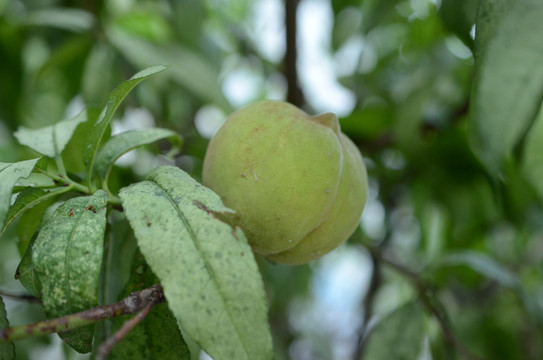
pixel 210 279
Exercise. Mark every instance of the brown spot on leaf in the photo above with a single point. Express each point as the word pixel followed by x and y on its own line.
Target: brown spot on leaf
pixel 91 208
pixel 201 205
pixel 71 212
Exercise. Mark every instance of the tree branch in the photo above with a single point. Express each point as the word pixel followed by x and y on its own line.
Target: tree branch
pixel 375 282
pixel 108 345
pixel 294 93
pixel 429 298
pixel 134 303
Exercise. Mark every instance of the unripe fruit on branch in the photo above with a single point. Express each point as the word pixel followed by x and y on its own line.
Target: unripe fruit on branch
pixel 297 182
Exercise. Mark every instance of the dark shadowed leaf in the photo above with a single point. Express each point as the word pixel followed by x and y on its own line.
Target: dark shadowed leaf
pixel 398 336
pixel 207 269
pixel 32 219
pixel 50 140
pixel 532 161
pixel 158 331
pixel 9 174
pixel 459 17
pixel 120 248
pixel 73 153
pixel 7 350
pixel 67 257
pixel 25 272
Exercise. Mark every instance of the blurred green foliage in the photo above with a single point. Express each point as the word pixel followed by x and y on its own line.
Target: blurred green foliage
pixel 475 237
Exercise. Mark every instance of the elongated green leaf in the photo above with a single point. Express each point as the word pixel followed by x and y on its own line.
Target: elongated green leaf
pixel 532 161
pixel 25 200
pixel 115 99
pixel 189 69
pixel 404 328
pixel 73 154
pixel 488 17
pixel 67 256
pixel 158 331
pixel 9 174
pixel 509 87
pixel 485 266
pixel 207 269
pixel 32 219
pixel 7 350
pixel 25 272
pixel 63 18
pixel 50 140
pixel 120 249
pixel 35 180
pixel 124 142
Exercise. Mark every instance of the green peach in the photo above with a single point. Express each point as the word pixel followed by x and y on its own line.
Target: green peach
pixel 297 182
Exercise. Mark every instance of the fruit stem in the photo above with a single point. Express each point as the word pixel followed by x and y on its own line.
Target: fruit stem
pixel 329 120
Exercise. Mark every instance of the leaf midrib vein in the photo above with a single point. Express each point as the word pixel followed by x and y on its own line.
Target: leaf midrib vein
pixel 204 259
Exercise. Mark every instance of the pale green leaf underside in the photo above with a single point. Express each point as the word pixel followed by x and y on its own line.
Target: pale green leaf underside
pixel 50 140
pixel 398 336
pixel 67 256
pixel 115 99
pixel 509 84
pixel 489 16
pixel 7 350
pixel 9 174
pixel 124 142
pixel 208 271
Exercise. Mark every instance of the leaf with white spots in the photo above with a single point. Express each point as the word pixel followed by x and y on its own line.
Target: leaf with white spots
pixel 67 257
pixel 207 269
